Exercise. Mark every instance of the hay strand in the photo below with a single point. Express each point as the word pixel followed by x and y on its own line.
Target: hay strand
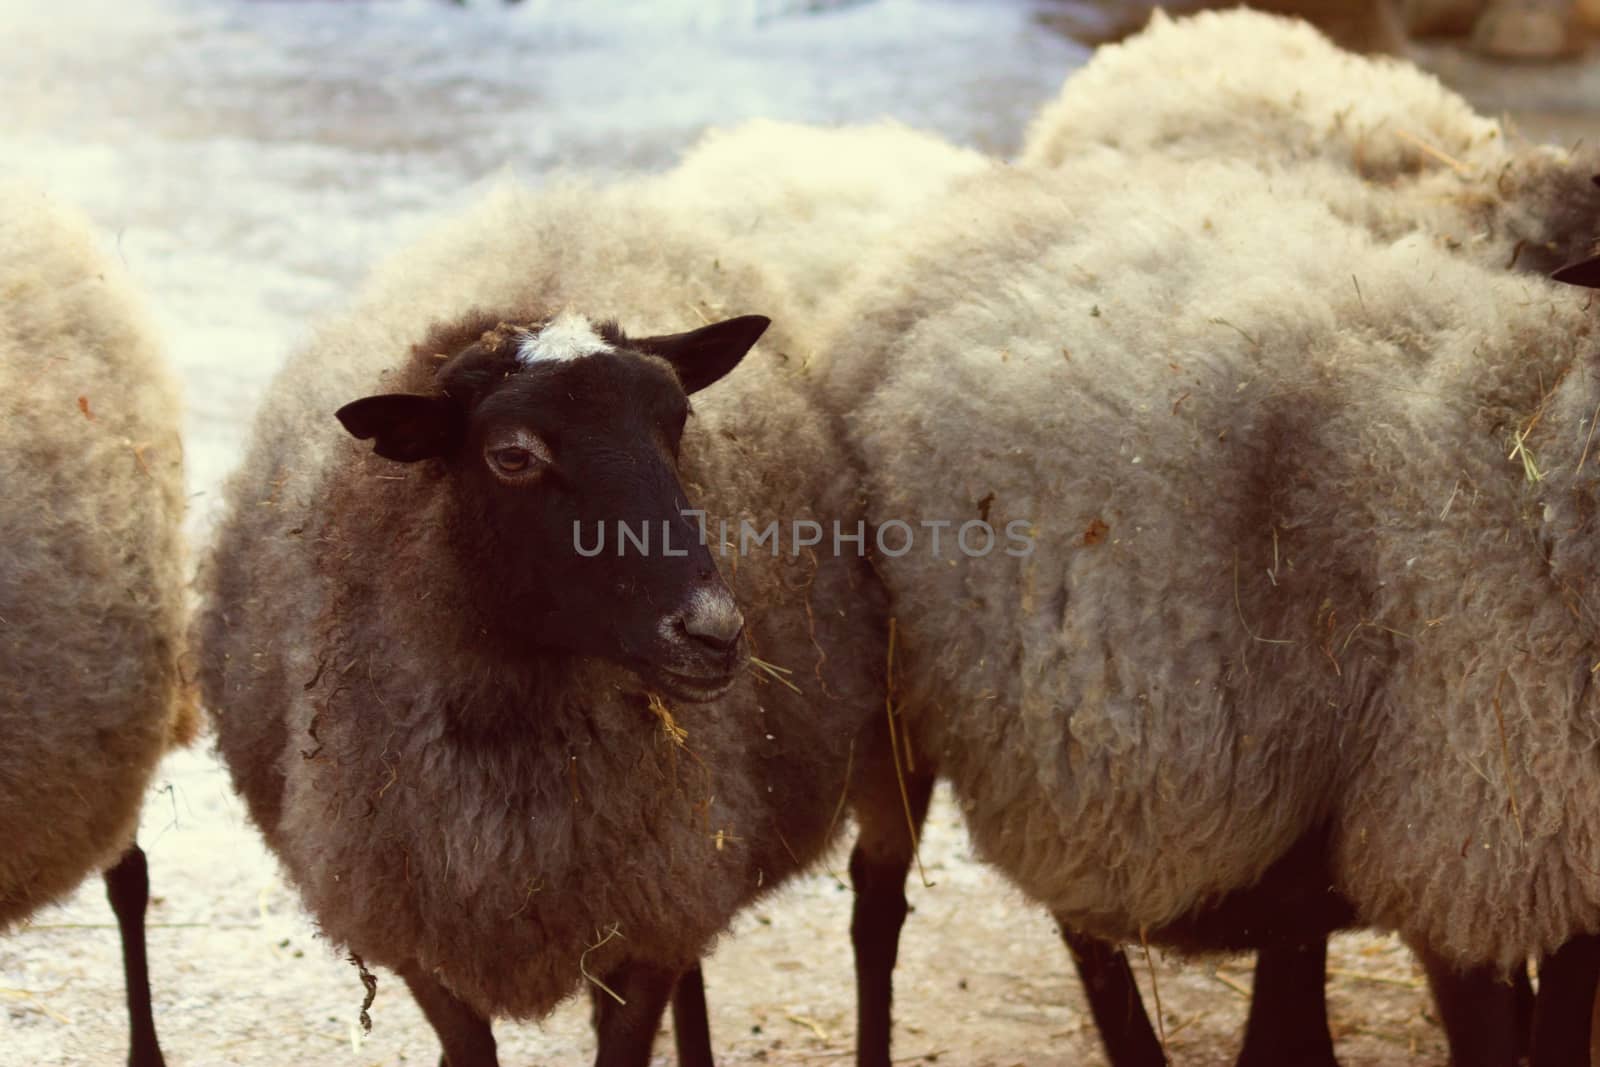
pixel 899 769
pixel 583 962
pixel 775 672
pixel 669 726
pixel 1155 993
pixel 1434 153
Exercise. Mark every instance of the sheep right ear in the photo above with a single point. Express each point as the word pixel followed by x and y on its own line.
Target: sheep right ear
pixel 404 427
pixel 1585 273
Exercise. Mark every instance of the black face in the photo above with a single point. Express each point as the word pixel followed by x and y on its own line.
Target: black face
pixel 563 460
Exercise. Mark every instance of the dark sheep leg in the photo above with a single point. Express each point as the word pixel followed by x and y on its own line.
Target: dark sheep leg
pixel 1567 986
pixel 1522 989
pixel 1479 1013
pixel 464 1035
pixel 879 864
pixel 128 887
pixel 1594 1032
pixel 627 1030
pixel 691 1024
pixel 1114 1001
pixel 1288 1021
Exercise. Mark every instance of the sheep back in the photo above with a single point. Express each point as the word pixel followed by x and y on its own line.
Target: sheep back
pixel 810 202
pixel 1384 144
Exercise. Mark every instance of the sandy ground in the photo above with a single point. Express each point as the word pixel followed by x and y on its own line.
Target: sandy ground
pixel 241 978
pixel 215 202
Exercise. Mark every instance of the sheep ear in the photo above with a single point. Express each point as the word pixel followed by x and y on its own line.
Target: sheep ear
pixel 702 356
pixel 1585 273
pixel 403 426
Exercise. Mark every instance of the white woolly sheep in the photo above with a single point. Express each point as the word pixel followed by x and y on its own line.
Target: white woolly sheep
pixel 1285 585
pixel 91 585
pixel 1382 143
pixel 810 203
pixel 440 712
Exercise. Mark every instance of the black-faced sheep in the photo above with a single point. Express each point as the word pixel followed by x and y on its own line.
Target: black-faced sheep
pixel 438 703
pixel 91 585
pixel 1287 594
pixel 1382 143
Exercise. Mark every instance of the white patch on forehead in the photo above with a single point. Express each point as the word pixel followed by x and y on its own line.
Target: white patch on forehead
pixel 566 337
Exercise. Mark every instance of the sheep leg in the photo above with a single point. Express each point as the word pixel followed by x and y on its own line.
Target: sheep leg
pixel 1114 1000
pixel 879 864
pixel 128 887
pixel 1288 1021
pixel 1478 1010
pixel 691 1026
pixel 1522 989
pixel 626 1024
pixel 1567 984
pixel 465 1036
pixel 1594 1031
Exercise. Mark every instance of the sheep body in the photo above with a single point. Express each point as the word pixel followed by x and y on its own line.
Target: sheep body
pixel 1285 577
pixel 91 591
pixel 1383 143
pixel 810 202
pixel 350 707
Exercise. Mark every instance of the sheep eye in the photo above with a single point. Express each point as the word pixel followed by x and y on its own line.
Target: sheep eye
pixel 515 455
pixel 512 460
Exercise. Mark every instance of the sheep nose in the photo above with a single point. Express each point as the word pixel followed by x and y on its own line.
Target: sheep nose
pixel 713 619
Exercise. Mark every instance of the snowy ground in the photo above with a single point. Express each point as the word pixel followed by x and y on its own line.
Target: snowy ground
pixel 250 159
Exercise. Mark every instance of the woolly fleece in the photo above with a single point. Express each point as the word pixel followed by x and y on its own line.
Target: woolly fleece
pixel 810 203
pixel 91 582
pixel 352 708
pixel 1286 574
pixel 1383 143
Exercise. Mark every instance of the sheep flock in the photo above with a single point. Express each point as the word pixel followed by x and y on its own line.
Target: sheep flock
pixel 1208 496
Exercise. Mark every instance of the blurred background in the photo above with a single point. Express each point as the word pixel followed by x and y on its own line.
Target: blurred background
pixel 250 159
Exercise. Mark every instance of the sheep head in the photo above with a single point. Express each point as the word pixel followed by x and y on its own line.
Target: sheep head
pixel 559 442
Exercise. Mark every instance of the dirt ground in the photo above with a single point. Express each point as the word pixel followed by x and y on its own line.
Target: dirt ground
pixel 241 978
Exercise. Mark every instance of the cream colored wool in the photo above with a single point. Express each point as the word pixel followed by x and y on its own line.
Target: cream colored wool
pixel 341 691
pixel 1292 561
pixel 91 583
pixel 1382 143
pixel 810 202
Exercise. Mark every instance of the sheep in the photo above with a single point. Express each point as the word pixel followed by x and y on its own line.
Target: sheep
pixel 806 200
pixel 446 719
pixel 1384 144
pixel 779 189
pixel 810 201
pixel 91 589
pixel 1263 457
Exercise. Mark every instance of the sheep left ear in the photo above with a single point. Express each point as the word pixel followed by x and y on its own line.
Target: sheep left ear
pixel 1585 273
pixel 404 427
pixel 702 356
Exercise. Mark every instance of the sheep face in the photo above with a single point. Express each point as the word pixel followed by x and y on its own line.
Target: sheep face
pixel 559 446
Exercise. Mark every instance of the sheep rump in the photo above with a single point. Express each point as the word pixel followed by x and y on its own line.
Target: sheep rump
pixel 583 835
pixel 91 583
pixel 1285 577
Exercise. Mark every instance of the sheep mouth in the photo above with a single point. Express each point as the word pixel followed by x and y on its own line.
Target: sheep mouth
pixel 689 688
